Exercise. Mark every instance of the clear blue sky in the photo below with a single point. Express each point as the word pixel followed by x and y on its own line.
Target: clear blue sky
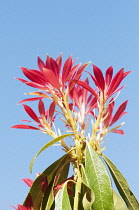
pixel 105 32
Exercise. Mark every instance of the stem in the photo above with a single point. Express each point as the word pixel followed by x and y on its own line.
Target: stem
pixel 77 190
pixel 68 115
pixel 95 128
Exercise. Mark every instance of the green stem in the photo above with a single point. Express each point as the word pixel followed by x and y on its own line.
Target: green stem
pixel 77 190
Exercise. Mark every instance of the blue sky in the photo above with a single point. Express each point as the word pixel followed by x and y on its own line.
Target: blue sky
pixel 104 32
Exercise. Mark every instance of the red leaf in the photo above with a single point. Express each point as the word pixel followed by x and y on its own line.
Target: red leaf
pixel 21 126
pixel 51 77
pixel 115 82
pixel 22 80
pixel 108 75
pixel 30 99
pixel 86 86
pixel 14 207
pixel 126 73
pixel 92 104
pixel 20 207
pixel 59 61
pixel 28 181
pixel 66 69
pixel 118 89
pixel 54 67
pixel 41 108
pixel 34 76
pixel 119 112
pixel 51 110
pixel 99 77
pixel 32 84
pixel 41 64
pixel 31 113
pixel 80 70
pixel 119 131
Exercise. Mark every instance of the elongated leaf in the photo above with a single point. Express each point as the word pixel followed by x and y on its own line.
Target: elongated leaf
pixel 62 201
pixel 31 113
pixel 21 126
pixel 119 204
pixel 36 193
pixel 50 143
pixel 98 179
pixel 122 185
pixel 99 77
pixel 87 87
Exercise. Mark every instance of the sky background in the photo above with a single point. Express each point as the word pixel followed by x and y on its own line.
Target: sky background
pixel 104 32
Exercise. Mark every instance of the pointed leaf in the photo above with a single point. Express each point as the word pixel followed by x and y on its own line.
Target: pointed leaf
pixel 118 131
pixel 28 181
pixel 59 61
pixel 34 76
pixel 30 99
pixel 66 69
pixel 115 82
pixel 51 110
pixel 99 77
pixel 41 108
pixel 86 86
pixel 50 143
pixel 31 113
pixel 122 186
pixel 41 64
pixel 21 126
pixel 108 76
pixel 98 179
pixel 62 201
pixel 51 78
pixel 119 112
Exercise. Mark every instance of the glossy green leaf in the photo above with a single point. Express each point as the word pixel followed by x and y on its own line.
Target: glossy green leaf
pixel 50 143
pixel 36 194
pixel 122 185
pixel 119 204
pixel 62 201
pixel 98 180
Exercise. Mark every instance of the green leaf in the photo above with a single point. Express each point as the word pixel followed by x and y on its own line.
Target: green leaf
pixel 119 204
pixel 98 180
pixel 50 143
pixel 122 185
pixel 62 201
pixel 36 194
